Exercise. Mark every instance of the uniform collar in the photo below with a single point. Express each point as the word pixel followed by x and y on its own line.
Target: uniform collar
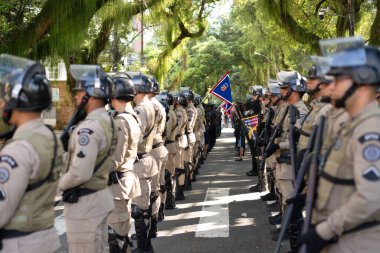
pixel 97 111
pixel 33 124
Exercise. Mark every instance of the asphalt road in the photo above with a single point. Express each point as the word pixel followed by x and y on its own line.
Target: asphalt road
pixel 219 214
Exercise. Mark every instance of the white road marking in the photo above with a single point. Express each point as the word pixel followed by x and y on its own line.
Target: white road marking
pixel 217 225
pixel 60 225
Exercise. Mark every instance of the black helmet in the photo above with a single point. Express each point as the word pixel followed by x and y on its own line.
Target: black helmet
pixel 165 105
pixel 155 88
pixel 293 80
pixel 143 83
pixel 189 94
pixel 123 87
pixel 166 96
pixel 274 88
pixel 365 72
pixel 256 90
pixel 180 99
pixel 92 80
pixel 24 85
pixel 197 100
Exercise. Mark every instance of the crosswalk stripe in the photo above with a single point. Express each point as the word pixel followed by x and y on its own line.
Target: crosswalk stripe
pixel 214 218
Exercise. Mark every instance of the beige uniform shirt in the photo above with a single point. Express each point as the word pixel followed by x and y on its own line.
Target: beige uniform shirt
pixel 182 122
pixel 318 109
pixel 146 113
pixel 160 120
pixel 303 111
pixel 191 117
pixel 127 126
pixel 355 156
pixel 19 164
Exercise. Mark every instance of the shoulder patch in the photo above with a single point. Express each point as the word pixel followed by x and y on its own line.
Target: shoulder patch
pixel 369 137
pixel 371 153
pixel 371 174
pixel 2 194
pixel 82 154
pixel 9 160
pixel 83 139
pixel 85 131
pixel 4 175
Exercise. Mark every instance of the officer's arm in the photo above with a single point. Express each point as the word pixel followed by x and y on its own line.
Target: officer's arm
pixel 85 145
pixel 19 163
pixel 143 119
pixel 365 202
pixel 122 141
pixel 169 125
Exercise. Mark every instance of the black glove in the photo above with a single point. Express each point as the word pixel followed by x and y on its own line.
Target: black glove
pixel 271 149
pixel 298 204
pixel 313 241
pixel 279 132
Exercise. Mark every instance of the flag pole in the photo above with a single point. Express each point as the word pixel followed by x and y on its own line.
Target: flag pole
pixel 207 95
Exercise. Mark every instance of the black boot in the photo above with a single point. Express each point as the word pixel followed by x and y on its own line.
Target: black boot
pixel 276 219
pixel 252 173
pixel 161 214
pixel 179 194
pixel 143 240
pixel 153 226
pixel 255 188
pixel 112 241
pixel 171 184
pixel 268 197
pixel 188 186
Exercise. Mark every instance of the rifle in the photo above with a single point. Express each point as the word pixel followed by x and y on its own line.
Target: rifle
pixel 312 180
pixel 292 142
pixel 274 135
pixel 297 188
pixel 78 116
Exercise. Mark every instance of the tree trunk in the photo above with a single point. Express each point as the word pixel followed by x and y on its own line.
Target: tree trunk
pixel 375 28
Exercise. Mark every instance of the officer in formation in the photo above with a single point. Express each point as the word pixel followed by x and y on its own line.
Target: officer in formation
pixel 30 160
pixel 123 182
pixel 342 211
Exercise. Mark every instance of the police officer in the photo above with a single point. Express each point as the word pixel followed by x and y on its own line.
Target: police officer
pixel 348 194
pixel 292 88
pixel 180 103
pixel 159 153
pixel 171 131
pixel 88 202
pixel 254 108
pixel 123 182
pixel 30 162
pixel 145 166
pixel 189 151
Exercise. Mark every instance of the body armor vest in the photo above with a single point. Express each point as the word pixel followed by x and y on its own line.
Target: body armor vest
pixel 145 146
pixel 36 211
pixel 337 174
pixel 99 179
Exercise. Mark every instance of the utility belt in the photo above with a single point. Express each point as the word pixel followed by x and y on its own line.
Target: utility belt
pixel 177 136
pixel 140 156
pixel 12 233
pixel 284 158
pixel 72 195
pixel 114 177
pixel 157 145
pixel 169 142
pixel 361 227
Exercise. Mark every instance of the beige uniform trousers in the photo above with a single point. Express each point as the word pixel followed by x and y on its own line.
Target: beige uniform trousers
pixel 143 201
pixel 45 241
pixel 284 181
pixel 86 222
pixel 120 217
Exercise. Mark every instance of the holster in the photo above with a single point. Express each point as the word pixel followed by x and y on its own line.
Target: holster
pixel 112 178
pixel 284 158
pixel 70 196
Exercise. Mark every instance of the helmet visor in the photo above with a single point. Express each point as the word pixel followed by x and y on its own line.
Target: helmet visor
pixel 86 74
pixel 344 52
pixel 12 72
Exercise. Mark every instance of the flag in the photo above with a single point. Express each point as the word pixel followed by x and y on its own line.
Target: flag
pixel 226 107
pixel 222 89
pixel 251 125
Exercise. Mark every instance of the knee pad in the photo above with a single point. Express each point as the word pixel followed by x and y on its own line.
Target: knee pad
pixel 136 212
pixel 179 172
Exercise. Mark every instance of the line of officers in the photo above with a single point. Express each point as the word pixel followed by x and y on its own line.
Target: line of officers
pixel 133 162
pixel 346 205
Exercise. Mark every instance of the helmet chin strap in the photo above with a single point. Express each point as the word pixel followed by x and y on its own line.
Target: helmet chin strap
pixel 288 93
pixel 326 99
pixel 341 103
pixel 313 91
